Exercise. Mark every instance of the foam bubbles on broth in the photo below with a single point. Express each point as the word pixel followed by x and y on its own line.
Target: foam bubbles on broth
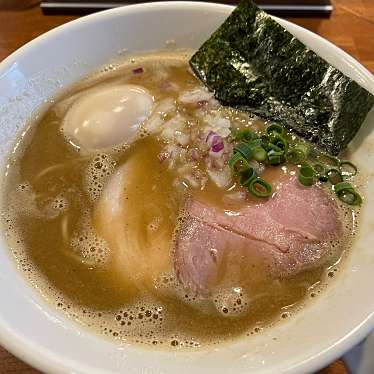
pixel 85 243
pixel 98 171
pixel 52 190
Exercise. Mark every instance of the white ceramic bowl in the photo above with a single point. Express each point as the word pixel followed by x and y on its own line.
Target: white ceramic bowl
pixel 339 318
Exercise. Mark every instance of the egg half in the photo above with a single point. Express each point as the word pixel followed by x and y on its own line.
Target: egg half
pixel 107 116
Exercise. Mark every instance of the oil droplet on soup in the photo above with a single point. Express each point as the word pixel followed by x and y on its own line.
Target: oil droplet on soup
pixel 97 202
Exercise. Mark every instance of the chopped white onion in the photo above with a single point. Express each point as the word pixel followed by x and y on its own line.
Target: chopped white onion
pixel 222 178
pixel 195 95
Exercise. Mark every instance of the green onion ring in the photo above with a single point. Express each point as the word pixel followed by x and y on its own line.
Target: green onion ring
pixel 346 173
pixel 259 154
pixel 244 149
pixel 334 176
pixel 306 175
pixel 255 143
pixel 305 148
pixel 273 147
pixel 234 160
pixel 243 134
pixel 342 186
pixel 295 156
pixel 319 168
pixel 247 176
pixel 265 140
pixel 275 157
pixel 256 185
pixel 280 142
pixel 275 128
pixel 346 193
pixel 238 164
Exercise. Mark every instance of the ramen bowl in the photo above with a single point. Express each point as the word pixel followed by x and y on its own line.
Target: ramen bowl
pixel 338 318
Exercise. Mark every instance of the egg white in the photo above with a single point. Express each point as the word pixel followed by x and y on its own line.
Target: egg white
pixel 107 116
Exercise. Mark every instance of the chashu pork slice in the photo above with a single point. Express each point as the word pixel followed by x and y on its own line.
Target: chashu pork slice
pixel 289 233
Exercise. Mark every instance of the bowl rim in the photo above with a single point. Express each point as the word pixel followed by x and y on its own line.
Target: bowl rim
pixel 49 361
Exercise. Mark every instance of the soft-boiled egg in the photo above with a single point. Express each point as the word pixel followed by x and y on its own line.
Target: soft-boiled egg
pixel 107 116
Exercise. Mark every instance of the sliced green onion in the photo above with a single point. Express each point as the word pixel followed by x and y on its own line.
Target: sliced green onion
pixel 319 168
pixel 321 172
pixel 259 154
pixel 306 175
pixel 347 169
pixel 346 193
pixel 305 148
pixel 334 176
pixel 244 149
pixel 265 140
pixel 339 187
pixel 247 176
pixel 333 159
pixel 280 142
pixel 244 135
pixel 237 157
pixel 234 133
pixel 275 157
pixel 273 147
pixel 295 156
pixel 255 143
pixel 238 164
pixel 274 128
pixel 259 188
pixel 350 197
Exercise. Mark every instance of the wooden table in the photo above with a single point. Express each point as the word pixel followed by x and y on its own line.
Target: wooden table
pixel 351 27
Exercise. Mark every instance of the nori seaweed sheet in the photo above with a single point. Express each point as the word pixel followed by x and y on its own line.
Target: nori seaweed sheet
pixel 254 64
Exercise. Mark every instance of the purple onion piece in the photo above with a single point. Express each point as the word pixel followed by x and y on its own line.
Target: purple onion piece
pixel 163 156
pixel 217 147
pixel 202 103
pixel 216 139
pixel 138 70
pixel 217 143
pixel 194 154
pixel 210 136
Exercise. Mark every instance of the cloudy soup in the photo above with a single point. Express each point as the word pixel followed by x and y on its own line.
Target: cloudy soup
pixel 130 205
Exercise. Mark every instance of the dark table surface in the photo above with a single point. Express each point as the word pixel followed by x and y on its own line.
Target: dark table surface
pixel 351 27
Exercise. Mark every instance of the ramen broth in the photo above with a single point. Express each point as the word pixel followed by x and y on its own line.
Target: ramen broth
pixel 117 277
